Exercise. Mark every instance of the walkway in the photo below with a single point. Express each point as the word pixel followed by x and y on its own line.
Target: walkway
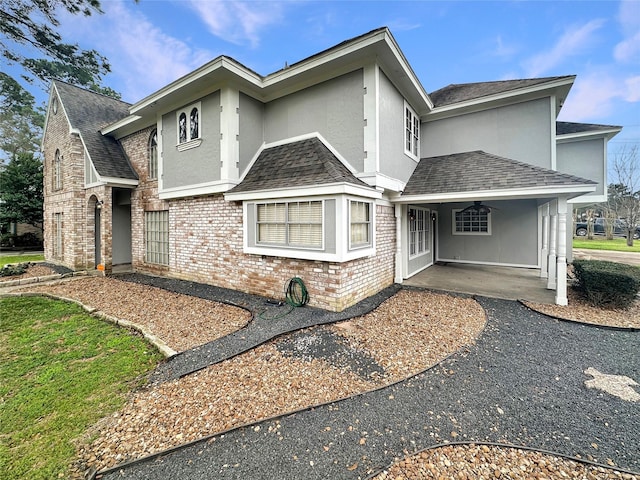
pixel 523 383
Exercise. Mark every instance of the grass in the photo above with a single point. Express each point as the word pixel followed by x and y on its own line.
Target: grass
pixel 4 259
pixel 600 243
pixel 62 370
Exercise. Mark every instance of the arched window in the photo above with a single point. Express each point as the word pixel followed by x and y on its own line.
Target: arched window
pixel 57 171
pixel 189 126
pixel 153 154
pixel 193 122
pixel 182 126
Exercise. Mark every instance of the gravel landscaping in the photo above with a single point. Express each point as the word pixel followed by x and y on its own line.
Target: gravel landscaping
pixel 408 333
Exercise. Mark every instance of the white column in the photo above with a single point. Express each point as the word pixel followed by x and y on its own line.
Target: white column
pixel 544 252
pixel 229 134
pixel 561 283
pixel 553 238
pixel 399 261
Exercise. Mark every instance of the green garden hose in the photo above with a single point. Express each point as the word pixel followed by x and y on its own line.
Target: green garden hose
pixel 295 293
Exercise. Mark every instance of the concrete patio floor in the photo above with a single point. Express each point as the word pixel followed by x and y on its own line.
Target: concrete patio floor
pixel 508 283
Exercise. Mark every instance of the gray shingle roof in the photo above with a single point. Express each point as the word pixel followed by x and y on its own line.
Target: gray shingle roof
pixel 564 128
pixel 301 163
pixel 480 171
pixel 456 93
pixel 88 112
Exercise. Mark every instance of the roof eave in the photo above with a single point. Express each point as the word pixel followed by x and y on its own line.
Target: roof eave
pixel 561 86
pixel 608 134
pixel 570 191
pixel 341 188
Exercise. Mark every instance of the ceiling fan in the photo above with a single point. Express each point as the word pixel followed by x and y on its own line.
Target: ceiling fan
pixel 478 207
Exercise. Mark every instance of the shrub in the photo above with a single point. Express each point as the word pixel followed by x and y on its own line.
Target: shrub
pixel 15 269
pixel 607 284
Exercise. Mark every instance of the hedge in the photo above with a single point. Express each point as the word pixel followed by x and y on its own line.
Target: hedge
pixel 607 284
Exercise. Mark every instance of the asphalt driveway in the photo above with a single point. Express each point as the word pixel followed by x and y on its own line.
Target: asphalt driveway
pixel 523 383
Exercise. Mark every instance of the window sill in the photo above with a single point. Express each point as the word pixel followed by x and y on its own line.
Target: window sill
pixel 188 145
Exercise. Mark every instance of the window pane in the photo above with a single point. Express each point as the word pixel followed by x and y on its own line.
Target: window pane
pixel 360 228
pixel 193 122
pixel 153 154
pixel 182 128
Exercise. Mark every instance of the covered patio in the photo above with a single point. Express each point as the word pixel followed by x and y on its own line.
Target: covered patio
pixel 489 281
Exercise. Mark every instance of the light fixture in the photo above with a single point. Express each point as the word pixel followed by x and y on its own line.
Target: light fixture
pixel 99 204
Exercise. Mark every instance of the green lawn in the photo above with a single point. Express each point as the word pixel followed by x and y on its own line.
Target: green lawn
pixel 61 370
pixel 600 243
pixel 4 259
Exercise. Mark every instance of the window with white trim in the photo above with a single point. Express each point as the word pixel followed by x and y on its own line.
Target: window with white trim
pixel 471 222
pixel 411 132
pixel 419 239
pixel 57 171
pixel 290 224
pixel 153 155
pixel 359 224
pixel 156 237
pixel 189 126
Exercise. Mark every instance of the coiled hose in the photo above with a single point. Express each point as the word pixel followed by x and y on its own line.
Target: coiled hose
pixel 295 292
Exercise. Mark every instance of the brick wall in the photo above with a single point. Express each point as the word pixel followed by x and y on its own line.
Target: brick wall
pixel 206 246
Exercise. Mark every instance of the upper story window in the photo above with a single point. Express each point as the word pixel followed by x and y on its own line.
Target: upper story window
pixel 359 224
pixel 471 222
pixel 290 224
pixel 411 132
pixel 189 127
pixel 153 154
pixel 57 171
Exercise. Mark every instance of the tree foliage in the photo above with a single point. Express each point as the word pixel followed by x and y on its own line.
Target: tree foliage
pixel 20 121
pixel 30 40
pixel 21 195
pixel 624 193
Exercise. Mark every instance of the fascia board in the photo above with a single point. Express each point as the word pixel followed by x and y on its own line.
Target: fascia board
pixel 124 124
pixel 118 182
pixel 307 191
pixel 383 44
pixel 220 63
pixel 509 194
pixel 568 137
pixel 499 99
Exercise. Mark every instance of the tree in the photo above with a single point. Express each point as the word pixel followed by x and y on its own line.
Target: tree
pixel 21 196
pixel 29 40
pixel 625 191
pixel 20 122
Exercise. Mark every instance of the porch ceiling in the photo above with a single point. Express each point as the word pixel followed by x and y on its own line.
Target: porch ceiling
pixel 479 175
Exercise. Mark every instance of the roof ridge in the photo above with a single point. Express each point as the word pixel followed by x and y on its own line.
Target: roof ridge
pixel 87 90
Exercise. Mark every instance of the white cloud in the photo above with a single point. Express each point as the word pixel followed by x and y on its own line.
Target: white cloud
pixel 628 50
pixel 593 98
pixel 237 22
pixel 142 57
pixel 572 42
pixel 632 93
pixel 502 49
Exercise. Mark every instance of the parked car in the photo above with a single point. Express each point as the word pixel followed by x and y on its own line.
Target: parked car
pixel 599 228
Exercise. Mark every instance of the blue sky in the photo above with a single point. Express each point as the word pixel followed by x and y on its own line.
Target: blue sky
pixel 153 42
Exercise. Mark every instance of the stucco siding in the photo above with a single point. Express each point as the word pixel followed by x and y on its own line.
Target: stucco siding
pixel 521 132
pixel 195 165
pixel 251 130
pixel 513 240
pixel 393 161
pixel 334 108
pixel 584 159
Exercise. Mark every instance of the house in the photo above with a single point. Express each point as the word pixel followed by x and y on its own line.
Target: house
pixel 339 169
